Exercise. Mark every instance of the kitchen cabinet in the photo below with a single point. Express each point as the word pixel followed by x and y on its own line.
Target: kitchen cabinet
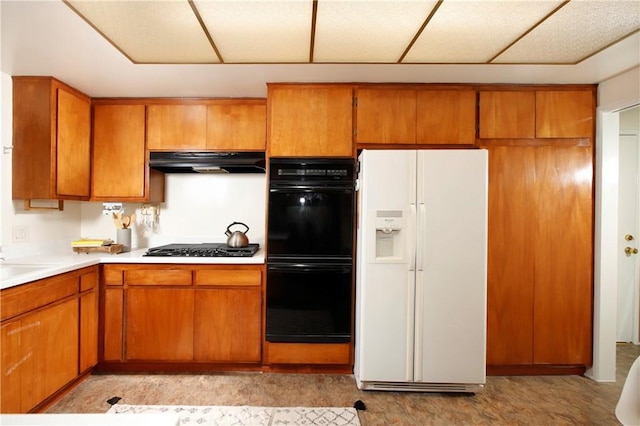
pixel 47 331
pixel 120 168
pixel 216 313
pixel 51 140
pixel 309 120
pixel 409 115
pixel 540 250
pixel 177 126
pixel 544 113
pixel 237 125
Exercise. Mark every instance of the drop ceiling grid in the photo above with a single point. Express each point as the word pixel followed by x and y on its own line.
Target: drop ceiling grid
pixel 150 31
pixel 575 32
pixel 367 31
pixel 259 31
pixel 474 31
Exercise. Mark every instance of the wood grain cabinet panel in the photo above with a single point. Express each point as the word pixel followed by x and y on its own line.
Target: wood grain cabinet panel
pixel 564 114
pixel 88 331
pixel 563 256
pixel 507 114
pixel 161 276
pixel 113 335
pixel 11 360
pixel 386 116
pixel 159 324
pixel 309 121
pixel 446 117
pixel 120 171
pixel 540 281
pixel 221 332
pixel 51 140
pixel 237 125
pixel 228 277
pixel 176 126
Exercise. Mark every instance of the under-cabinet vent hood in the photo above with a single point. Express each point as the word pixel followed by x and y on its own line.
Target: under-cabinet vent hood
pixel 207 162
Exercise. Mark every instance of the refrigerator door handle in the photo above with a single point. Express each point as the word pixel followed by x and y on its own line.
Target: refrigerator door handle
pixel 411 239
pixel 421 236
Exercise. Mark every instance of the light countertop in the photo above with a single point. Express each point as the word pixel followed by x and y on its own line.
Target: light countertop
pixel 21 270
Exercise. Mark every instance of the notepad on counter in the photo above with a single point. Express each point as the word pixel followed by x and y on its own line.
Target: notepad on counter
pixel 91 242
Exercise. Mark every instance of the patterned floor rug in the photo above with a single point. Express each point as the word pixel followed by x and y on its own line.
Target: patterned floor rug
pixel 248 416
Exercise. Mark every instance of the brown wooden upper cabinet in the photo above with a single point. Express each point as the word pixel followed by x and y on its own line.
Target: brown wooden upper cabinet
pixel 309 120
pixel 120 171
pixel 225 124
pixel 536 114
pixel 415 116
pixel 176 126
pixel 240 126
pixel 51 140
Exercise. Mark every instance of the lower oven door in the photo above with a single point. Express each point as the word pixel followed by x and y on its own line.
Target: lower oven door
pixel 309 303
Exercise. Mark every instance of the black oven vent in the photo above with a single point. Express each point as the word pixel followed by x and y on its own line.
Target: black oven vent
pixel 208 162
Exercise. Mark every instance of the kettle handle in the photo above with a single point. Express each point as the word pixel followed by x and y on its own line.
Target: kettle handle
pixel 228 231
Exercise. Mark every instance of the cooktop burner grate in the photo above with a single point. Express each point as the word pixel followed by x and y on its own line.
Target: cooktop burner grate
pixel 202 250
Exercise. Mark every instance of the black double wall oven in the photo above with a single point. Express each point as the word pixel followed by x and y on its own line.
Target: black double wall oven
pixel 310 250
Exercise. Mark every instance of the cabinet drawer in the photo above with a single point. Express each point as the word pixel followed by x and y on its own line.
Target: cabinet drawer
pixel 112 275
pixel 158 277
pixel 88 281
pixel 17 300
pixel 228 277
pixel 301 353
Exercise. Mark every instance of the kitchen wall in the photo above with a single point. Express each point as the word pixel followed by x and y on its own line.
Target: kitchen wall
pixel 197 207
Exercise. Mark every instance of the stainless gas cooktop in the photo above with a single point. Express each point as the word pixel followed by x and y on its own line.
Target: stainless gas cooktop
pixel 202 250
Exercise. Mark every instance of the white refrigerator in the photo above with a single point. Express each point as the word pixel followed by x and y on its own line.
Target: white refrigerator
pixel 421 270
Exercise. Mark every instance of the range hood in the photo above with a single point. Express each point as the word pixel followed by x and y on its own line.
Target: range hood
pixel 207 162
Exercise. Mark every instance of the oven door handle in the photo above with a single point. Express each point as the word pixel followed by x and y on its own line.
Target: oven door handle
pixel 307 267
pixel 302 188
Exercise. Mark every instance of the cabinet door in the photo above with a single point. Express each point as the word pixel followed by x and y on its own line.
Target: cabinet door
pixel 49 340
pixel 446 117
pixel 159 324
pixel 234 126
pixel 113 324
pixel 509 115
pixel 176 127
pixel 221 333
pixel 310 122
pixel 564 114
pixel 386 116
pixel 11 365
pixel 563 256
pixel 510 268
pixel 73 145
pixel 118 151
pixel 88 331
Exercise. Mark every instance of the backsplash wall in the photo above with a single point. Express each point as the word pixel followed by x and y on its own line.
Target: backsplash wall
pixel 197 208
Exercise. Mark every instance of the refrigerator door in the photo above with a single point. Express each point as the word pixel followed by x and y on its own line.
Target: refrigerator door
pixel 385 285
pixel 450 329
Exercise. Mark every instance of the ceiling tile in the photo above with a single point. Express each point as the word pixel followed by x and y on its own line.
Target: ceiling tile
pixel 367 30
pixel 149 31
pixel 259 31
pixel 475 31
pixel 575 32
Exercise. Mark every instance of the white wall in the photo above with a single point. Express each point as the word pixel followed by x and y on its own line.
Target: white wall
pixel 197 208
pixel 617 93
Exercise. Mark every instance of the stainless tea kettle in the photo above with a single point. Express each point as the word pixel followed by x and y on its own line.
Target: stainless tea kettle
pixel 237 238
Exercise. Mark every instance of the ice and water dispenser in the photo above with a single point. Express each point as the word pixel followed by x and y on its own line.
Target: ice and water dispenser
pixel 390 234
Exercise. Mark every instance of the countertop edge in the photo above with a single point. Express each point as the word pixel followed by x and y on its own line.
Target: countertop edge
pixel 48 266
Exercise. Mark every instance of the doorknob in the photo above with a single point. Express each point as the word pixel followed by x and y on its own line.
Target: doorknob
pixel 629 251
pixel 628 237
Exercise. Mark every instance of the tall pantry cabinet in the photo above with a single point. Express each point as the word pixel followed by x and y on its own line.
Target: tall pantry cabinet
pixel 540 248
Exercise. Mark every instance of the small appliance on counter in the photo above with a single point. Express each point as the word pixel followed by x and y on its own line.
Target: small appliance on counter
pixel 202 250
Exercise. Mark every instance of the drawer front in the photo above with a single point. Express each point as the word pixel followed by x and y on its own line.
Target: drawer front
pixel 315 353
pixel 24 298
pixel 112 275
pixel 88 281
pixel 228 277
pixel 158 277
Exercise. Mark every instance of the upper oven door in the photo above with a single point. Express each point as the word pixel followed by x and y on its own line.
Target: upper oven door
pixel 310 223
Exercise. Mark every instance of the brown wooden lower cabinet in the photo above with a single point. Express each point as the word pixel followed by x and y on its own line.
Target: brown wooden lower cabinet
pixel 182 314
pixel 48 336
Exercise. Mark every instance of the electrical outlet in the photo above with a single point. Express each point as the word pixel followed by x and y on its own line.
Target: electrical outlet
pixel 20 234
